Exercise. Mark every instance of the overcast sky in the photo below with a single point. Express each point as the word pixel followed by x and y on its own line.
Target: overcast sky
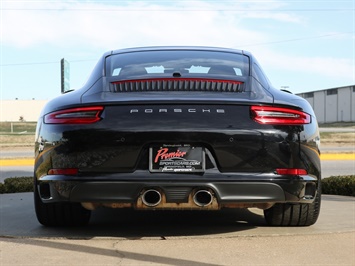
pixel 304 45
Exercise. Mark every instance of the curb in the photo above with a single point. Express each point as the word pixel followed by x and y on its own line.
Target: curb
pixel 338 156
pixel 17 162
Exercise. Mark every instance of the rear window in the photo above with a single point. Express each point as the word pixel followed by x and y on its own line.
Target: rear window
pixel 168 62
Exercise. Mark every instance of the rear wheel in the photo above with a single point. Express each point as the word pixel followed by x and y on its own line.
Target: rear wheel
pixel 286 214
pixel 60 214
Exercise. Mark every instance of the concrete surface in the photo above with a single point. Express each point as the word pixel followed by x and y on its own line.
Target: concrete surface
pixel 18 220
pixel 122 237
pixel 330 249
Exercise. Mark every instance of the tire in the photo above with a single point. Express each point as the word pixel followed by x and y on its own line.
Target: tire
pixel 60 214
pixel 287 214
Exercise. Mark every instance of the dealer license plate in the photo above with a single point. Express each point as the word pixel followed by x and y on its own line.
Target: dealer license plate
pixel 176 158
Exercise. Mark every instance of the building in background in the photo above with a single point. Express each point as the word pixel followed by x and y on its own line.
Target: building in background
pixel 21 110
pixel 333 105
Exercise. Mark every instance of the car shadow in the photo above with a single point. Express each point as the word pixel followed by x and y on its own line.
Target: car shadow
pixel 126 223
pixel 130 224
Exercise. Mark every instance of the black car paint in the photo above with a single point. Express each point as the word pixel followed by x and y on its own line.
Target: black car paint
pixel 112 155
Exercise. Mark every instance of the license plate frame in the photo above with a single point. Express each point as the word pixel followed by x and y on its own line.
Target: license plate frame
pixel 172 158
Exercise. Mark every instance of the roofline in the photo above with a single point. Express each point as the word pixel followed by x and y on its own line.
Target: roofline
pixel 181 48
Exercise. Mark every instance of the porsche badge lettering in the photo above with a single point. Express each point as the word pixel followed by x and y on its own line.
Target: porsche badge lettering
pixel 177 110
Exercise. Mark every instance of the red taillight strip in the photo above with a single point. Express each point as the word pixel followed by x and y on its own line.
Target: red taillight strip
pixel 178 79
pixel 63 171
pixel 79 115
pixel 279 115
pixel 291 171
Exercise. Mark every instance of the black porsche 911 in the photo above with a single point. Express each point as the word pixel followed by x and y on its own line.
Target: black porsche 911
pixel 177 128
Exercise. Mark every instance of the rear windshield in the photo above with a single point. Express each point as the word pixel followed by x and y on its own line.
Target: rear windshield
pixel 169 62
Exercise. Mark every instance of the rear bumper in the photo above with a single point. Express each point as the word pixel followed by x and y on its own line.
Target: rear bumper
pixel 227 190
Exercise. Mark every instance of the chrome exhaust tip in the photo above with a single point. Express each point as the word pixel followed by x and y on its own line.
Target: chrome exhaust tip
pixel 203 198
pixel 151 197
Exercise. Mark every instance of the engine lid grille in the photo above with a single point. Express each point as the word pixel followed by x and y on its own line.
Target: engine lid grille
pixel 177 84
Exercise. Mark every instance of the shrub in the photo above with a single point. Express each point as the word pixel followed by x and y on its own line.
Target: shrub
pixel 2 188
pixel 339 185
pixel 17 184
pixel 335 185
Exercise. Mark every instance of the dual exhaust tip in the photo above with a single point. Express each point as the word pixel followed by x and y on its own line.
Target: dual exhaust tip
pixel 203 198
pixel 153 197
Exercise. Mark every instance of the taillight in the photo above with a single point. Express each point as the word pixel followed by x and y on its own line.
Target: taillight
pixel 63 171
pixel 279 116
pixel 291 171
pixel 80 115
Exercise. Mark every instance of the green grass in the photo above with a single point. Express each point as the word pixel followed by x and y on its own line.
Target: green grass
pixel 338 124
pixel 17 127
pixel 330 135
pixel 338 137
pixel 17 133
